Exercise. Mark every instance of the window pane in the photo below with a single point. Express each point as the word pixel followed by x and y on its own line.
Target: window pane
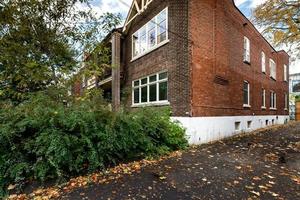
pixel 144 81
pixel 162 32
pixel 136 83
pixel 162 16
pixel 153 93
pixel 135 44
pixel 151 34
pixel 144 95
pixel 153 78
pixel 163 75
pixel 163 91
pixel 143 41
pixel 271 100
pixel 263 98
pixel 246 98
pixel 137 95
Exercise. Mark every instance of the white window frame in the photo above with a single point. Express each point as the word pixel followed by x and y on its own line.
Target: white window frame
pixel 83 81
pixel 91 82
pixel 273 100
pixel 263 99
pixel 157 45
pixel 247 50
pixel 273 69
pixel 285 75
pixel 148 84
pixel 246 105
pixel 263 62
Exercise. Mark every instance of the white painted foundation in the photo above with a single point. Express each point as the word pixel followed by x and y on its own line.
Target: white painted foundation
pixel 201 130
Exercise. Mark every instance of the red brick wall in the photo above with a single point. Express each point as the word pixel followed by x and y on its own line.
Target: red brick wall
pixel 217 30
pixel 174 56
pixel 76 90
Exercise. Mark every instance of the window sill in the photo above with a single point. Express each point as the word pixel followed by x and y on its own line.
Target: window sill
pixel 150 50
pixel 166 103
pixel 246 106
pixel 286 109
pixel 274 109
pixel 274 79
pixel 263 108
pixel 247 62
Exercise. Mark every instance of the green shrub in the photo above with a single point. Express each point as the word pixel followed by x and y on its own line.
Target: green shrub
pixel 45 137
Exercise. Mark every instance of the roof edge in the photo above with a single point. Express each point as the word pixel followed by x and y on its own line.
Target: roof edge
pixel 257 30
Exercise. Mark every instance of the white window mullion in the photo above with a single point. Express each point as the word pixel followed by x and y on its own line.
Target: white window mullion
pixel 157 87
pixel 167 23
pixel 156 30
pixel 140 94
pixel 148 90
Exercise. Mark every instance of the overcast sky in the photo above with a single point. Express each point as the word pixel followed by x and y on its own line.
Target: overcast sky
pixel 121 6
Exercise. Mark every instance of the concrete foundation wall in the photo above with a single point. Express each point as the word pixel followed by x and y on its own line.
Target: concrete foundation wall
pixel 201 130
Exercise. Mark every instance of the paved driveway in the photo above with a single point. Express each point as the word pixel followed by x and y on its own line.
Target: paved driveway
pixel 262 165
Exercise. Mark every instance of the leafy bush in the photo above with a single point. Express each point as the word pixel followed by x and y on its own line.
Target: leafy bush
pixel 45 138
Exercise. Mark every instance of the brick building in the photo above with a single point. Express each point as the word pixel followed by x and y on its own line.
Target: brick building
pixel 205 60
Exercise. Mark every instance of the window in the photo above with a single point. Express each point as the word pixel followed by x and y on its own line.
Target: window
pixel 295 86
pixel 273 100
pixel 246 50
pixel 91 82
pixel 249 124
pixel 286 100
pixel 237 126
pixel 83 81
pixel 272 69
pixel 151 35
pixel 246 94
pixel 151 89
pixel 263 94
pixel 263 62
pixel 285 75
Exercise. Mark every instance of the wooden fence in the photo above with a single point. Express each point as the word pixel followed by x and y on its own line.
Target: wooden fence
pixel 297 114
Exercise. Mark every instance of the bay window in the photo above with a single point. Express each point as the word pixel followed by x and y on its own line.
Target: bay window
pixel 151 35
pixel 150 90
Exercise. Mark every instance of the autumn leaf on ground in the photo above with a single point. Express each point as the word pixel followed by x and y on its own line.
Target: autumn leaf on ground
pixel 256 193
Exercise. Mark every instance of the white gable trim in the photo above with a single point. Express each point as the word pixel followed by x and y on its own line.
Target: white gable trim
pixel 140 6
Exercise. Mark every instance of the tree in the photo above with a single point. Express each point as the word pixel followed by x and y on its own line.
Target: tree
pixel 40 43
pixel 281 19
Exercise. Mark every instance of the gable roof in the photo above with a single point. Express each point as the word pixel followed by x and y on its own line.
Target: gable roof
pixel 137 7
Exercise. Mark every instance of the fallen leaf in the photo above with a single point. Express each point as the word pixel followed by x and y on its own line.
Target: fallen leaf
pixel 256 193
